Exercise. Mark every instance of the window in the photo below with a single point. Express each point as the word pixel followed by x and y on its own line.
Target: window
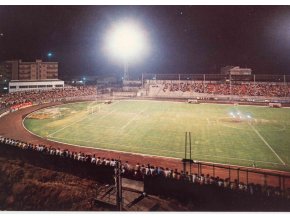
pixel 58 85
pixel 33 86
pixel 23 87
pixel 12 87
pixel 41 86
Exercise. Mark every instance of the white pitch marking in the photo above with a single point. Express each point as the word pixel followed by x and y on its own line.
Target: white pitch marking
pixel 150 149
pixel 80 146
pixel 148 155
pixel 134 118
pixel 51 134
pixel 233 158
pixel 67 126
pixel 107 114
pixel 208 122
pixel 266 143
pixel 112 144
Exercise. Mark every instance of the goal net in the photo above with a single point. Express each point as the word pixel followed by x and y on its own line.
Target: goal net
pixel 93 109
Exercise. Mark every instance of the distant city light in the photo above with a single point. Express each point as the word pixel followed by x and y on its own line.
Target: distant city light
pixel 49 54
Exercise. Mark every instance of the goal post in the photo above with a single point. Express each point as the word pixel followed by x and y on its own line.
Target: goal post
pixel 94 109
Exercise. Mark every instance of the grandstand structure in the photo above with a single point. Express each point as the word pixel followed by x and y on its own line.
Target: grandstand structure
pixel 219 87
pixel 271 90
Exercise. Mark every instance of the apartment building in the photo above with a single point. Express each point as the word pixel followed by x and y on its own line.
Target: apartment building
pixel 38 70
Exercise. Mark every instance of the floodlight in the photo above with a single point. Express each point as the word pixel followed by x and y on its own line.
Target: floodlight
pixel 126 41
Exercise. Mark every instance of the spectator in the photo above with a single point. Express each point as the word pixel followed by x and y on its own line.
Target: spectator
pixel 139 171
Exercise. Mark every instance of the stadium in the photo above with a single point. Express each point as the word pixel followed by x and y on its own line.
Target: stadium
pixel 91 126
pixel 200 131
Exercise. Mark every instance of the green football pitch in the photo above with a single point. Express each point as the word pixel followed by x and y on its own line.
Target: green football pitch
pixel 238 135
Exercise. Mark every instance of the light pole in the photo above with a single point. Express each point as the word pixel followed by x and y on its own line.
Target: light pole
pixel 126 70
pixel 49 56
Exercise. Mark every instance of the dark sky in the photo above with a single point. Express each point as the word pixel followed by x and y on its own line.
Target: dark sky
pixel 183 39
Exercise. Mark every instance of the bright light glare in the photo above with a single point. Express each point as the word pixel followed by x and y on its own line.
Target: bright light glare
pixel 127 41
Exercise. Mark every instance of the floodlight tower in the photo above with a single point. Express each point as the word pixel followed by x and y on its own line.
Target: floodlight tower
pixel 126 70
pixel 126 41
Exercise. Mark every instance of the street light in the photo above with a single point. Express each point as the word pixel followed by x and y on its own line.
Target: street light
pixel 49 54
pixel 126 41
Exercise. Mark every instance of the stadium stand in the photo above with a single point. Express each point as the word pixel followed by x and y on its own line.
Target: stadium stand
pixel 185 88
pixel 157 180
pixel 167 89
pixel 38 97
pixel 76 163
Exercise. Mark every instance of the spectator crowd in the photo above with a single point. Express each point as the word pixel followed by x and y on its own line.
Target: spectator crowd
pixel 249 89
pixel 140 171
pixel 40 96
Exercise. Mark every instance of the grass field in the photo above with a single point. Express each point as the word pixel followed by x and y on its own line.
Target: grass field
pixel 261 136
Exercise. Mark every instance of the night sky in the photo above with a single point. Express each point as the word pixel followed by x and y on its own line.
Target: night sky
pixel 183 39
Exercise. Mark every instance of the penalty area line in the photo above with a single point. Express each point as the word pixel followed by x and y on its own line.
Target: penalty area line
pixel 51 134
pixel 134 118
pixel 105 115
pixel 266 143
